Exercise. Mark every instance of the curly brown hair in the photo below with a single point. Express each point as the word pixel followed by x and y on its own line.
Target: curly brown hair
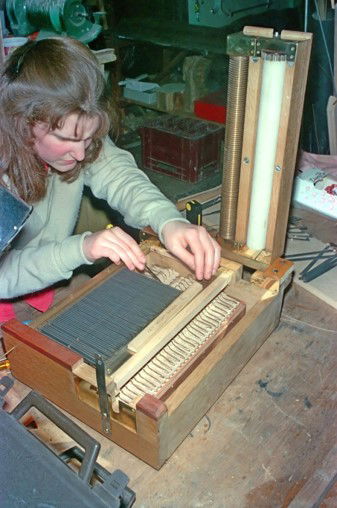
pixel 46 81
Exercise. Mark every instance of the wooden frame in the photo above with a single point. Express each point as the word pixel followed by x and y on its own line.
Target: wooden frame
pixel 286 152
pixel 157 425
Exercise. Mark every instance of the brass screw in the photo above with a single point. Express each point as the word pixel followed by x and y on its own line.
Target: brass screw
pixel 5 365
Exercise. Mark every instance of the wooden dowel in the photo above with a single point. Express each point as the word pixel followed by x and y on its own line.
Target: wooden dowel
pixel 258 31
pixel 289 35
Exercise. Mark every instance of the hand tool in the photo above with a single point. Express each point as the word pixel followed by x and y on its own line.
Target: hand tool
pixel 309 273
pixel 327 265
pixel 194 209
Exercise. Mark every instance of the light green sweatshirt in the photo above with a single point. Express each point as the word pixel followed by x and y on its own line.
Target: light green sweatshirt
pixel 46 252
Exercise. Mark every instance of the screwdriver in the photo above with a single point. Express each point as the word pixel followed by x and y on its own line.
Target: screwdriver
pixel 110 226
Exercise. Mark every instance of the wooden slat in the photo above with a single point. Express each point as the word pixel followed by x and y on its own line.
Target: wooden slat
pixel 248 147
pixel 138 360
pixel 159 256
pixel 171 311
pixel 286 154
pixel 201 196
pixel 281 177
pixel 318 485
pixel 245 257
pixel 86 372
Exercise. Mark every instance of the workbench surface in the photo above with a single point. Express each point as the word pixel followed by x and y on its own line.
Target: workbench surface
pixel 263 441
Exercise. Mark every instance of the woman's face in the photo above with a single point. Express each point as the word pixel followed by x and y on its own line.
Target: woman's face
pixel 63 147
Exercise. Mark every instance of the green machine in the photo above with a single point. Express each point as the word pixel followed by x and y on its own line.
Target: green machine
pixel 200 25
pixel 221 13
pixel 53 17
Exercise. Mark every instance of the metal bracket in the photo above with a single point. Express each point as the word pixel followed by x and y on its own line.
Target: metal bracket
pixel 239 44
pixel 103 398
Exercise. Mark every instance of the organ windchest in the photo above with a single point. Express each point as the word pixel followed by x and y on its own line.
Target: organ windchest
pixel 160 378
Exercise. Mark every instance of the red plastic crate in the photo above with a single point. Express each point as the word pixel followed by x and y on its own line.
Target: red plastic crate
pixel 184 148
pixel 212 107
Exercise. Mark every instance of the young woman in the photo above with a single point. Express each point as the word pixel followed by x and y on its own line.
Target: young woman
pixel 54 124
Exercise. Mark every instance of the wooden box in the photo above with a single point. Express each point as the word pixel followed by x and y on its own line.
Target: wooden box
pixel 154 425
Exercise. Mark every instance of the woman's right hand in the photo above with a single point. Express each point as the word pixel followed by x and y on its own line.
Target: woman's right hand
pixel 115 244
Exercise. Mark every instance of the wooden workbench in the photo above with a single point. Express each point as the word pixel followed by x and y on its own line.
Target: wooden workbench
pixel 263 442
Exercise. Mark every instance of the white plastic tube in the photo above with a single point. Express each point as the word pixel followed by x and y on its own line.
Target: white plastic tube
pixel 265 150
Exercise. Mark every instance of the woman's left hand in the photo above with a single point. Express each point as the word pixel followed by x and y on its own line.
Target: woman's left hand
pixel 194 246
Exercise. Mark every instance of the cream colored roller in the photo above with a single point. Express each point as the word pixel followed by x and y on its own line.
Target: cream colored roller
pixel 274 67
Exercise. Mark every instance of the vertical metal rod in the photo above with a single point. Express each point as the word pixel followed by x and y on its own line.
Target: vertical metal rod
pixel 236 100
pixel 306 15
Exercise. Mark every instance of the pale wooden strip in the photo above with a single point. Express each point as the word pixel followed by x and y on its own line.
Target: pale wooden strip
pixel 286 153
pixel 248 148
pixel 86 372
pixel 282 174
pixel 138 360
pixel 169 313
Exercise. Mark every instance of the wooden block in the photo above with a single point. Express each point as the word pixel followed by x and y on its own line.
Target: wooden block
pixel 151 406
pixel 274 275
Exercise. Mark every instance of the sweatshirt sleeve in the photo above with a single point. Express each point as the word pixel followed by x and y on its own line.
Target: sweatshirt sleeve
pixel 116 178
pixel 37 267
